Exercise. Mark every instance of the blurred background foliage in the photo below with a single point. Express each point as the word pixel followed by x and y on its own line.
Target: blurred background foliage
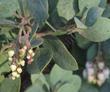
pixel 70 34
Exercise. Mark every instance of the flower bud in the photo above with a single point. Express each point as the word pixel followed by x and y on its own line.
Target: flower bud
pixel 100 82
pixel 101 65
pixel 11 53
pixel 101 76
pixel 19 70
pixel 30 61
pixel 22 62
pixel 30 51
pixel 94 81
pixel 88 65
pixel 106 72
pixel 90 71
pixel 25 47
pixel 28 57
pixel 18 75
pixel 22 52
pixel 13 67
pixel 33 54
pixel 91 78
pixel 13 78
pixel 10 58
pixel 85 74
pixel 14 74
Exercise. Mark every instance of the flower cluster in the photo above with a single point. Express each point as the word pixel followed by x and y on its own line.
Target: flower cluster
pixel 30 55
pixel 96 73
pixel 18 60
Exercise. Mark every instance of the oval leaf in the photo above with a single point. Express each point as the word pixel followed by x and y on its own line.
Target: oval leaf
pixel 65 9
pixel 41 59
pixel 7 8
pixel 39 9
pixel 4 67
pixel 69 87
pixel 87 4
pixel 92 15
pixel 92 52
pixel 61 55
pixel 9 85
pixel 57 77
pixel 99 31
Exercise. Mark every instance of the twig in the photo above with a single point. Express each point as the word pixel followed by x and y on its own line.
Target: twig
pixel 50 26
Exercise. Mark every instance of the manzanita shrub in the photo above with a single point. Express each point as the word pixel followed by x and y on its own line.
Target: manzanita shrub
pixel 54 46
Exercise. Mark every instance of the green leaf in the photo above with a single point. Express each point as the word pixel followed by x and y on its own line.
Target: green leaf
pixel 39 10
pixel 93 14
pixel 69 87
pixel 88 88
pixel 106 51
pixel 4 67
pixel 36 77
pixel 37 87
pixel 7 8
pixel 99 31
pixel 39 83
pixel 103 3
pixel 36 42
pixel 81 41
pixel 24 8
pixel 75 6
pixel 7 23
pixel 79 23
pixel 41 60
pixel 79 55
pixel 87 4
pixel 105 87
pixel 65 9
pixel 92 52
pixel 9 85
pixel 61 55
pixel 57 76
pixel 1 79
pixel 106 12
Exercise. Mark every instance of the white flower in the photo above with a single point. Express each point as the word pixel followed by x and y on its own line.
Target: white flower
pixel 33 54
pixel 13 78
pixel 22 62
pixel 18 75
pixel 22 52
pixel 28 57
pixel 100 82
pixel 90 71
pixel 11 53
pixel 101 65
pixel 14 74
pixel 85 73
pixel 10 58
pixel 19 70
pixel 91 78
pixel 25 47
pixel 101 76
pixel 106 72
pixel 13 67
pixel 88 64
pixel 30 51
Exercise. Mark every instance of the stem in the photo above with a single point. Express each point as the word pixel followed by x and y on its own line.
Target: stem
pixel 50 26
pixel 40 35
pixel 99 49
pixel 21 7
pixel 6 47
pixel 33 34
